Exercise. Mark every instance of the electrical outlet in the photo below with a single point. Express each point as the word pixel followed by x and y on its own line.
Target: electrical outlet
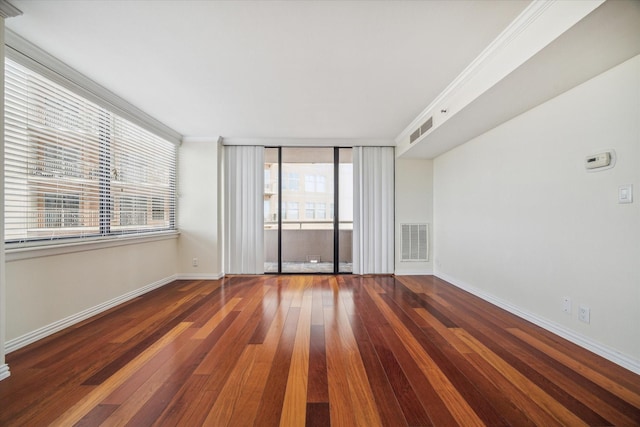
pixel 194 262
pixel 566 305
pixel 584 313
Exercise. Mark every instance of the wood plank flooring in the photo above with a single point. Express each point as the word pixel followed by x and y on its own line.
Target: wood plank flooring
pixel 314 351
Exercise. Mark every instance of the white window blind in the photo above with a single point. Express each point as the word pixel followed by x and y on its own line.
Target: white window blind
pixel 74 169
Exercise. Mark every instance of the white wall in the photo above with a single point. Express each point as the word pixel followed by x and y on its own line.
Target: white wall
pixel 42 292
pixel 46 293
pixel 414 204
pixel 518 218
pixel 199 214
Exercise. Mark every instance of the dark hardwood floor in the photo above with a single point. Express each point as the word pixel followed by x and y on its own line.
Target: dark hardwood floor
pixel 315 351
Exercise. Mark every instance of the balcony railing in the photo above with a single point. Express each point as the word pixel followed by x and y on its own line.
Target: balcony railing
pixel 295 224
pixel 307 241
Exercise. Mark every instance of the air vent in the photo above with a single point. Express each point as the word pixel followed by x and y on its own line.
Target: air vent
pixel 426 126
pixel 414 242
pixel 414 135
pixel 421 130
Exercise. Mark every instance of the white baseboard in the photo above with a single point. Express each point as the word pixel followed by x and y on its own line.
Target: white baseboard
pixel 405 272
pixel 199 276
pixel 4 371
pixel 45 331
pixel 585 342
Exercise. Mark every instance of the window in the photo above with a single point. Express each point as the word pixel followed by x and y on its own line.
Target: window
pixel 315 183
pixel 291 181
pixel 321 210
pixel 267 180
pixel 310 183
pixel 292 210
pixel 61 210
pixel 133 211
pixel 157 209
pixel 267 210
pixel 309 211
pixel 75 169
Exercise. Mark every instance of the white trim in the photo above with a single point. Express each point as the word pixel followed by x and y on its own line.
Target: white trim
pixel 207 139
pixel 7 10
pixel 45 331
pixel 528 16
pixel 608 353
pixel 26 53
pixel 199 276
pixel 309 142
pixel 51 248
pixel 4 371
pixel 421 272
pixel 499 46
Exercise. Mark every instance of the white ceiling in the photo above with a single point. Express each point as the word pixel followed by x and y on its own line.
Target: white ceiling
pixel 606 37
pixel 270 69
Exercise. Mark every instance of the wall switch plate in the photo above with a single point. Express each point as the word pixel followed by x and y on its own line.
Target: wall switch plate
pixel 584 314
pixel 566 305
pixel 625 194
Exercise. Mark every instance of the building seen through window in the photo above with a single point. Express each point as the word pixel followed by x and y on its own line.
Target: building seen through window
pixel 306 205
pixel 75 169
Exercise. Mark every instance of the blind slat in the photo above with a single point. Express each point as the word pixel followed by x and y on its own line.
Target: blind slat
pixel 74 169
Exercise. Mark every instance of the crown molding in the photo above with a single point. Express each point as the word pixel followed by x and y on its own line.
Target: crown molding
pixel 517 26
pixel 203 139
pixel 309 142
pixel 32 56
pixel 537 11
pixel 7 10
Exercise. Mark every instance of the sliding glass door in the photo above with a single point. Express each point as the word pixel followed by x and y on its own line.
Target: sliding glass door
pixel 308 210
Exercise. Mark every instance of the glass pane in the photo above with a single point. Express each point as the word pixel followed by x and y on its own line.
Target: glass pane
pixel 307 227
pixel 345 199
pixel 271 210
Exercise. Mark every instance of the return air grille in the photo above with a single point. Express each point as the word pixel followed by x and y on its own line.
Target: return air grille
pixel 421 130
pixel 415 135
pixel 414 242
pixel 426 126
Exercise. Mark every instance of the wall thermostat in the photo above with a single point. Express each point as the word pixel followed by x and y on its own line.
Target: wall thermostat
pixel 600 161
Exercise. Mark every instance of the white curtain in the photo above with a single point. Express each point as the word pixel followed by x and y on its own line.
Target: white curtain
pixel 373 213
pixel 244 209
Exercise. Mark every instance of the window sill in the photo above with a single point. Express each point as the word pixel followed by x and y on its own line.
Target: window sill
pixel 51 249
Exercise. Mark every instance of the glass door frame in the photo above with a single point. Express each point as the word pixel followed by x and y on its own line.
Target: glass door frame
pixel 336 213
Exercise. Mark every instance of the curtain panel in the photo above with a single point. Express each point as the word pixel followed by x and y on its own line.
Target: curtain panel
pixel 243 209
pixel 373 213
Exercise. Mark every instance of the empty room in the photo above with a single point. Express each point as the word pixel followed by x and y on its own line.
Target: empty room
pixel 320 213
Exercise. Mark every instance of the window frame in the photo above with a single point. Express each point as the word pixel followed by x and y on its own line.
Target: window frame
pixel 37 61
